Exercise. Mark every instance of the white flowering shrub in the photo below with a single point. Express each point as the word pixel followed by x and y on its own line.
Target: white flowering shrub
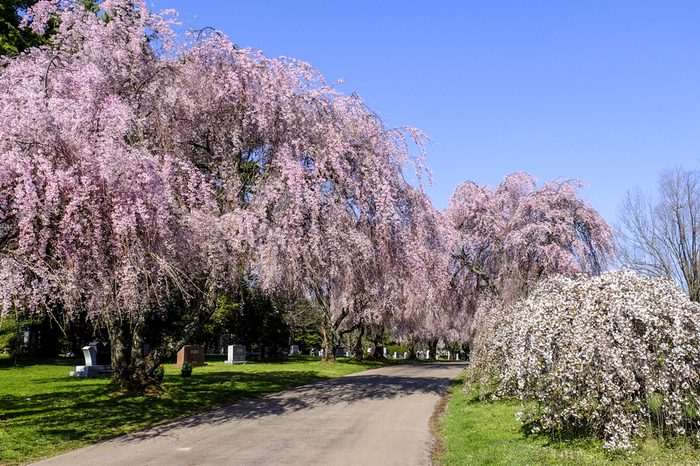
pixel 612 355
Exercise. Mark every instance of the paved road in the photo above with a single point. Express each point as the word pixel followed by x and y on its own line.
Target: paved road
pixel 376 417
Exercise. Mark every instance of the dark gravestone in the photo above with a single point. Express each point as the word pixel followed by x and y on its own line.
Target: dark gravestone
pixel 104 353
pixel 194 354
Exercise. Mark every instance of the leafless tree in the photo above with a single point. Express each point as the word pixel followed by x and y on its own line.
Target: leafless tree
pixel 661 236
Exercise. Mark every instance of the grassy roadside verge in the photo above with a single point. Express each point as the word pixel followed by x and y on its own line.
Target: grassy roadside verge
pixel 44 412
pixel 473 432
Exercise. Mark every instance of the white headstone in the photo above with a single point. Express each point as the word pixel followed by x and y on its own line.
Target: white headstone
pixel 91 368
pixel 405 355
pixel 294 350
pixel 90 353
pixel 236 354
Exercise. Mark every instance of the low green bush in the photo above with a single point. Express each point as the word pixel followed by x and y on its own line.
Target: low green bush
pixel 391 349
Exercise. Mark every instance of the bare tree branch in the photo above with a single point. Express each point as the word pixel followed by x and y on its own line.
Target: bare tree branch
pixel 660 237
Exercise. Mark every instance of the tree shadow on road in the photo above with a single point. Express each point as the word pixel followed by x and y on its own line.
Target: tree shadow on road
pixel 357 388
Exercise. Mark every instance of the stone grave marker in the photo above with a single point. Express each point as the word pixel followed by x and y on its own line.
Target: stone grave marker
pixel 194 354
pixel 90 355
pixel 236 354
pixel 294 350
pixel 104 353
pixel 91 368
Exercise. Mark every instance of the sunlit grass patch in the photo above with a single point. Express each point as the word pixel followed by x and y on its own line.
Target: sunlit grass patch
pixel 43 411
pixel 479 432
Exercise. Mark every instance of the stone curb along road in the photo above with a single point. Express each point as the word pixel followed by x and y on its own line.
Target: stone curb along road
pixel 375 417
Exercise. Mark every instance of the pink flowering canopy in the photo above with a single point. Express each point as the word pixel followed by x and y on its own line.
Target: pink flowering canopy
pixel 516 233
pixel 96 214
pixel 141 173
pixel 427 309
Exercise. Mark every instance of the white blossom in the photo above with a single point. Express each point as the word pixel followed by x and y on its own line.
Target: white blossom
pixel 609 355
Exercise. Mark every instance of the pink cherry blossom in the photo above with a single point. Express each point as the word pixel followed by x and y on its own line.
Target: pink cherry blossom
pixel 142 174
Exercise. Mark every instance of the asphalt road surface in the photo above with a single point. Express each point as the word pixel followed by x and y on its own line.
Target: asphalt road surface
pixel 376 417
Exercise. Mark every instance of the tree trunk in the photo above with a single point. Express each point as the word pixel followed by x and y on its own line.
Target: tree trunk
pixel 327 335
pixel 432 347
pixel 411 347
pixel 377 340
pixel 133 371
pixel 359 352
pixel 467 349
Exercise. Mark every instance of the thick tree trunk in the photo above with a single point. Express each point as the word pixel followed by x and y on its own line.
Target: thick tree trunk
pixel 432 347
pixel 133 370
pixel 359 352
pixel 411 347
pixel 467 350
pixel 327 344
pixel 327 336
pixel 377 341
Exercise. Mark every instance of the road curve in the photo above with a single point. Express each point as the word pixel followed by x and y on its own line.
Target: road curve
pixel 375 417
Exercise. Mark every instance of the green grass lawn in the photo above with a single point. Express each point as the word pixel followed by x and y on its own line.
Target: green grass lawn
pixel 477 432
pixel 43 411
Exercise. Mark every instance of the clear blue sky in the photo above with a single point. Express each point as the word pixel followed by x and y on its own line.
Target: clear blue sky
pixel 604 91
